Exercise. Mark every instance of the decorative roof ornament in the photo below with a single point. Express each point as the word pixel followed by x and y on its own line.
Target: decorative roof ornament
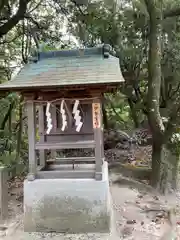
pixel 35 52
pixel 81 52
pixel 106 50
pixel 34 56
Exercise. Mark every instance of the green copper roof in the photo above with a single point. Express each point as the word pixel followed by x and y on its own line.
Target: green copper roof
pixel 68 67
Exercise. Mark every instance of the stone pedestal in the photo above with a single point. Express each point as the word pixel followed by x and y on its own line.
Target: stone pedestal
pixel 68 205
pixel 3 193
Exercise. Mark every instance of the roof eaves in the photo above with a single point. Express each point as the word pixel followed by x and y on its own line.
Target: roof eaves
pixel 7 87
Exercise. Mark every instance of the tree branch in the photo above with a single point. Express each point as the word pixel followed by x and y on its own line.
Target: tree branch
pixel 24 57
pixel 10 41
pixel 173 94
pixel 172 121
pixel 13 21
pixel 114 110
pixel 35 37
pixel 38 4
pixel 172 13
pixel 2 4
pixel 11 105
pixel 31 19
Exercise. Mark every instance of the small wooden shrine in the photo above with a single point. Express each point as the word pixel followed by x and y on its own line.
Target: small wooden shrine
pixel 63 92
pixel 66 88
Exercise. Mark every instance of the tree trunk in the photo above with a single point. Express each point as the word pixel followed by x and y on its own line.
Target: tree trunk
pixel 3 124
pixel 162 166
pixel 154 9
pixel 174 162
pixel 133 113
pixel 176 173
pixel 19 135
pixel 156 164
pixel 105 119
pixel 10 131
pixel 165 167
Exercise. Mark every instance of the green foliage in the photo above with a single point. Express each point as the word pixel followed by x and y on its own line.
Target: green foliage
pixel 126 28
pixel 118 112
pixel 40 24
pixel 8 136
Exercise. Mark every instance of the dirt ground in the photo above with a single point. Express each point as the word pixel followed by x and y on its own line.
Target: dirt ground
pixel 132 221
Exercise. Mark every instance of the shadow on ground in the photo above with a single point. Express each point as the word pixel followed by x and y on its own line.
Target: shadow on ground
pixel 131 176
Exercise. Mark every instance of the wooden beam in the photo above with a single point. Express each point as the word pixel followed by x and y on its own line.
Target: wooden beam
pixel 72 160
pixel 29 96
pixel 104 87
pixel 80 159
pixel 70 133
pixel 97 125
pixel 65 145
pixel 42 99
pixel 31 113
pixel 39 168
pixel 68 167
pixel 51 93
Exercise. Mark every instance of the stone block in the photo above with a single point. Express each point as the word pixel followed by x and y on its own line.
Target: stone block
pixel 68 205
pixel 3 193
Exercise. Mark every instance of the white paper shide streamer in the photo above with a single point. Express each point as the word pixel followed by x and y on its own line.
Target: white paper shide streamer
pixel 48 118
pixel 64 117
pixel 77 117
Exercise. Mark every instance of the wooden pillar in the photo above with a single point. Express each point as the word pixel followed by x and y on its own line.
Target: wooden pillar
pixel 32 139
pixel 102 134
pixel 3 193
pixel 42 154
pixel 102 143
pixel 97 126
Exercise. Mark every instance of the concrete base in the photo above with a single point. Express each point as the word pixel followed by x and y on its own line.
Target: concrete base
pixel 68 205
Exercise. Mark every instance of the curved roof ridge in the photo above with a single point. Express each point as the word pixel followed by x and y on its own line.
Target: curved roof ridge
pixel 71 53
